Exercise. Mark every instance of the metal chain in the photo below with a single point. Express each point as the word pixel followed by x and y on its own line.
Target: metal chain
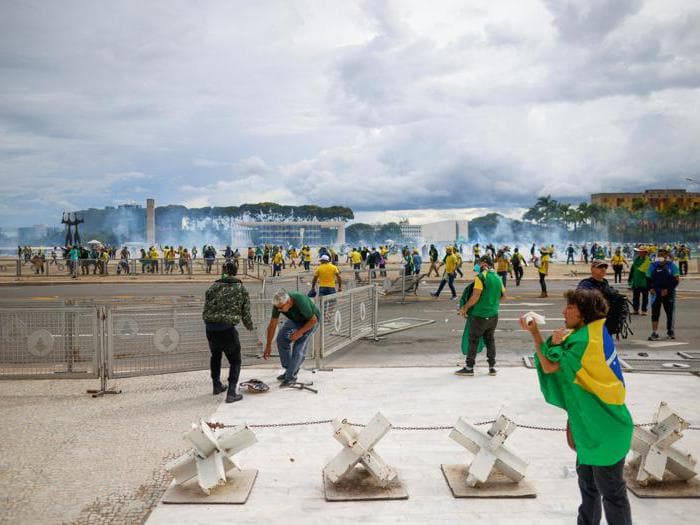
pixel 215 425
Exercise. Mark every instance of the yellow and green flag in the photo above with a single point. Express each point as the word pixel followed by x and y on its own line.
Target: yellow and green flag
pixel 590 387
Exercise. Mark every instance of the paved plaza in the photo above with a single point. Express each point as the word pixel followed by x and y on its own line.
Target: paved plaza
pixel 69 458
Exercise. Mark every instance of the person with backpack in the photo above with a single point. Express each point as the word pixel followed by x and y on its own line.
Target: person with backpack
pixel 617 320
pixel 481 313
pixel 664 277
pixel 517 261
pixel 433 255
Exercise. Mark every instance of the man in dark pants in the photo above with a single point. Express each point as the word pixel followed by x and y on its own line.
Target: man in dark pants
pixel 226 304
pixel 482 308
pixel 663 278
pixel 638 280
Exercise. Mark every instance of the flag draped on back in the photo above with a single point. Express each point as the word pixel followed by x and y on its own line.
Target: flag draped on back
pixel 590 387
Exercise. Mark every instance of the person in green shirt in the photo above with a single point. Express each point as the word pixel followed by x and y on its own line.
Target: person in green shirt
pixel 638 280
pixel 579 371
pixel 482 312
pixel 302 321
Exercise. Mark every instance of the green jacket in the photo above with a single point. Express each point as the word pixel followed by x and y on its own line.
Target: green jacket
pixel 487 305
pixel 638 272
pixel 227 302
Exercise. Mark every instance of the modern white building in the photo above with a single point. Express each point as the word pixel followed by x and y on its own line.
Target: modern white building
pixel 436 232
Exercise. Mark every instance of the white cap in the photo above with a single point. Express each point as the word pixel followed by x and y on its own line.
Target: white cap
pixel 325 258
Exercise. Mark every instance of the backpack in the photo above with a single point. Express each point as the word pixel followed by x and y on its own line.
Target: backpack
pixel 618 320
pixel 469 290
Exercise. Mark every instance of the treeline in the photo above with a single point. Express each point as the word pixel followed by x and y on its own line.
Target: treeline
pixel 370 234
pixel 642 221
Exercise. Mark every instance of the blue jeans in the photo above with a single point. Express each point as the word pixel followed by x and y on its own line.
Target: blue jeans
pixel 292 354
pixel 450 282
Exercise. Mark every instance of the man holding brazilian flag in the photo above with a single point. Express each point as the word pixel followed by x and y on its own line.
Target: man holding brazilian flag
pixel 579 371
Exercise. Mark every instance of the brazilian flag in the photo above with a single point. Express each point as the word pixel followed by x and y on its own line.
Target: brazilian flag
pixel 590 387
pixel 466 294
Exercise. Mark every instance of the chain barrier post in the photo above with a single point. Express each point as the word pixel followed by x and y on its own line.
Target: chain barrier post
pixel 403 287
pixel 352 312
pixel 322 331
pixel 375 308
pixel 104 351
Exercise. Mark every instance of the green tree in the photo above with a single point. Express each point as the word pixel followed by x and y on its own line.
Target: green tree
pixel 359 232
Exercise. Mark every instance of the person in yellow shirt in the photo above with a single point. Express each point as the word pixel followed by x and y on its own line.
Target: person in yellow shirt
pixel 458 256
pixel 502 266
pixel 153 256
pixel 450 263
pixel 277 264
pixel 326 275
pixel 356 261
pixel 306 256
pixel 292 256
pixel 543 269
pixel 617 262
pixel 170 260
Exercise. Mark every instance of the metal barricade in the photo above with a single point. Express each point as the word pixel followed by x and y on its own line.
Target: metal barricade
pixel 59 342
pixel 161 339
pixel 270 285
pixel 346 317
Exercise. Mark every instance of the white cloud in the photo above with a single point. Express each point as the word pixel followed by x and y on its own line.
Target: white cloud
pixel 393 104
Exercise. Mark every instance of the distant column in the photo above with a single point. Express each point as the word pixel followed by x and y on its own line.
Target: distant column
pixel 151 222
pixel 341 233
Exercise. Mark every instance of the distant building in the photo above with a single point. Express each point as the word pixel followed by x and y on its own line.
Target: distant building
pixel 441 231
pixel 287 233
pixel 410 232
pixel 32 234
pixel 657 199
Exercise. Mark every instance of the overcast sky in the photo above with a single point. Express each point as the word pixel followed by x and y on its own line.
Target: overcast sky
pixel 377 105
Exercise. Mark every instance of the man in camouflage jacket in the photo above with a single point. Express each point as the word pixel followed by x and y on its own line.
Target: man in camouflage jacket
pixel 226 304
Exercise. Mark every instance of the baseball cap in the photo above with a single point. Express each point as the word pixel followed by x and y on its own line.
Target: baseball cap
pixel 325 258
pixel 598 263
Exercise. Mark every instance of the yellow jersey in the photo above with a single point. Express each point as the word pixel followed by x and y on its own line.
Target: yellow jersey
pixel 355 257
pixel 450 263
pixel 277 259
pixel 544 264
pixel 618 260
pixel 326 273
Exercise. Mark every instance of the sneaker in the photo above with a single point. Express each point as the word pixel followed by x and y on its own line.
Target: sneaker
pixel 644 313
pixel 465 372
pixel 492 371
pixel 286 383
pixel 434 294
pixel 653 337
pixel 453 298
pixel 671 335
pixel 280 377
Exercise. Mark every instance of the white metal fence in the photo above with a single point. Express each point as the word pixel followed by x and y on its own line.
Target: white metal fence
pixel 346 317
pixel 108 341
pixel 49 342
